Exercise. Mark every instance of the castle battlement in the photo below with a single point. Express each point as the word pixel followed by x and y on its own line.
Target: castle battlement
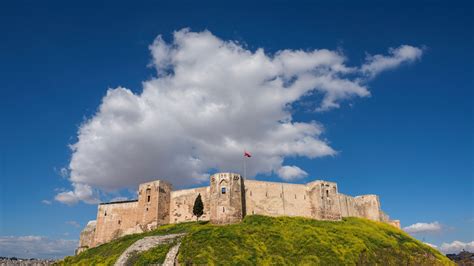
pixel 227 199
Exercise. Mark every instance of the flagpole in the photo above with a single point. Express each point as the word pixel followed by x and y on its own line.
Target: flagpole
pixel 245 168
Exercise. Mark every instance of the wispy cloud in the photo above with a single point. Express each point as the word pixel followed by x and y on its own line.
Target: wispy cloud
pixel 423 227
pixel 36 247
pixel 46 202
pixel 378 63
pixel 74 224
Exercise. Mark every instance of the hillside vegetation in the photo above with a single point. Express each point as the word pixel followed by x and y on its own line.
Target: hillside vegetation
pixel 277 241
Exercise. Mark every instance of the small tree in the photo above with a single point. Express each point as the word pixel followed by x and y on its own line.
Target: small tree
pixel 198 208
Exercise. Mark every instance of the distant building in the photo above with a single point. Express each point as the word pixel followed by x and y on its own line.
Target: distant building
pixel 228 199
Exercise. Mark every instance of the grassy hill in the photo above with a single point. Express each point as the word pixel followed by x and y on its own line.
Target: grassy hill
pixel 284 241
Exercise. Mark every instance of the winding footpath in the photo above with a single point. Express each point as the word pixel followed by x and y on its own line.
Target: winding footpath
pixel 149 242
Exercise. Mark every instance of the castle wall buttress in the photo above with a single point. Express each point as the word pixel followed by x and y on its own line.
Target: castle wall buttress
pixel 227 199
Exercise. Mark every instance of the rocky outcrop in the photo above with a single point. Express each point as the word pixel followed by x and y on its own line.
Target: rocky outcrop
pixel 86 239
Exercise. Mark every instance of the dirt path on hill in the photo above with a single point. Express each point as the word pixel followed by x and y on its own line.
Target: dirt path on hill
pixel 149 242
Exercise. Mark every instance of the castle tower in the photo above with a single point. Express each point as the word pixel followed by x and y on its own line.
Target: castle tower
pixel 324 200
pixel 227 200
pixel 153 204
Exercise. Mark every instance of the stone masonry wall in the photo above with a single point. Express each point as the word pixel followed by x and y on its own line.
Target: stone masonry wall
pixel 182 202
pixel 153 204
pixel 348 206
pixel 324 200
pixel 227 200
pixel 368 207
pixel 115 220
pixel 276 199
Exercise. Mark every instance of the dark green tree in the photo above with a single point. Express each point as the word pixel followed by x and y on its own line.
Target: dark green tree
pixel 198 208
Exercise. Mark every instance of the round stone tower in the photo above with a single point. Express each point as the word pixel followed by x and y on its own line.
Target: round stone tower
pixel 227 200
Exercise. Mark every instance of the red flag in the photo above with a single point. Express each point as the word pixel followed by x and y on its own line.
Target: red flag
pixel 247 154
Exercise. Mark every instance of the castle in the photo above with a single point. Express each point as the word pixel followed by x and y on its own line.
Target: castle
pixel 228 199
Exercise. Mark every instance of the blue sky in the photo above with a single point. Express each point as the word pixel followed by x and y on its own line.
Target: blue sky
pixel 411 141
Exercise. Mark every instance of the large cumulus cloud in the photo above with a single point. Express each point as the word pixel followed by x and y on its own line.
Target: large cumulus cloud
pixel 210 100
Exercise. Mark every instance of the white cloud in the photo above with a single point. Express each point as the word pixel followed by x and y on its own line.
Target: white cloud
pixel 378 63
pixel 74 224
pixel 456 247
pixel 47 202
pixel 82 192
pixel 423 228
pixel 36 247
pixel 210 100
pixel 291 172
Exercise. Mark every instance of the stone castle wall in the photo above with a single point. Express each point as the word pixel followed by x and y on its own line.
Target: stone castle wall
pixel 182 202
pixel 276 199
pixel 227 199
pixel 114 220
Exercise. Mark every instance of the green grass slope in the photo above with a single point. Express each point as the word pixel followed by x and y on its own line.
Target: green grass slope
pixel 261 240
